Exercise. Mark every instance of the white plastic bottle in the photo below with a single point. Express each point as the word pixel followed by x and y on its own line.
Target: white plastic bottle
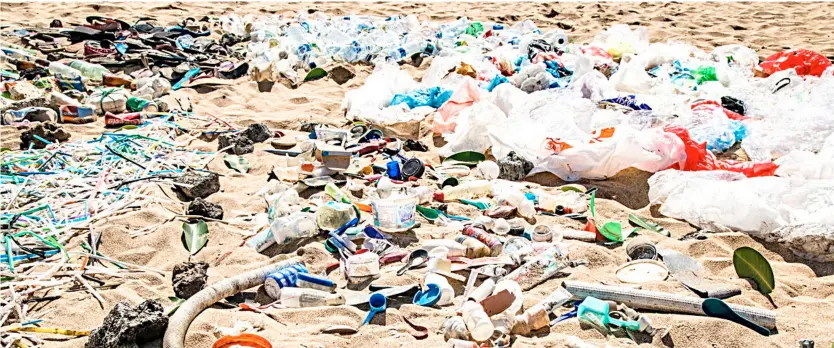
pixel 477 321
pixel 305 297
pixel 58 68
pixel 465 190
pixel 94 72
pixel 447 292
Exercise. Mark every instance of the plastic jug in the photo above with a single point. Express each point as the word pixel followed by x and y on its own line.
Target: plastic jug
pixel 598 308
pixel 477 321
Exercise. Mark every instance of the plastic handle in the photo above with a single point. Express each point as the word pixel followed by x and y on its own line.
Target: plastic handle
pixel 631 325
pixel 370 316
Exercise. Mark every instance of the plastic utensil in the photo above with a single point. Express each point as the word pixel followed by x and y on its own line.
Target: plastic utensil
pixel 600 309
pixel 378 303
pixel 716 308
pixel 429 297
pixel 416 259
pixel 477 204
pixel 417 331
pixel 428 213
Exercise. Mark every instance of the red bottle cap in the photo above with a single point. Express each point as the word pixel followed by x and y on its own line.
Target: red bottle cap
pixel 438 196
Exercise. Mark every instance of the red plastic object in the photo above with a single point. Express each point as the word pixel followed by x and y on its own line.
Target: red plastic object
pixel 699 158
pixel 242 340
pixel 709 104
pixel 805 62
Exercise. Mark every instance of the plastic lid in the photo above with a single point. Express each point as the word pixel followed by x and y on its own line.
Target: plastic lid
pixel 413 167
pixel 429 297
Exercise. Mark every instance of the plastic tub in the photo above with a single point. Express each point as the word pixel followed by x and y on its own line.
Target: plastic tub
pixel 396 212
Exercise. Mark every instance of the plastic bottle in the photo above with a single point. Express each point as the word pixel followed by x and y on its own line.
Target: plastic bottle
pixel 465 190
pixel 305 297
pixel 534 318
pixel 447 293
pixel 296 226
pixel 493 243
pixel 454 328
pixel 482 291
pixel 515 198
pixel 453 248
pixel 474 248
pixel 477 321
pixel 58 68
pixel 94 72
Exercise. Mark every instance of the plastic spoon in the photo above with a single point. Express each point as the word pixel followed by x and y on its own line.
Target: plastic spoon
pixel 416 259
pixel 428 213
pixel 378 302
pixel 716 308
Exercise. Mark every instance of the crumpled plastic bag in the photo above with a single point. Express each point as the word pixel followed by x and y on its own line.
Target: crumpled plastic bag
pixel 650 150
pixel 433 97
pixel 757 206
pixel 808 165
pixel 532 78
pixel 699 158
pixel 378 90
pixel 805 62
pixel 466 95
pixel 471 132
pixel 632 77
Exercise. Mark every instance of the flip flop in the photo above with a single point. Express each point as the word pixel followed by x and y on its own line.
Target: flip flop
pixel 416 259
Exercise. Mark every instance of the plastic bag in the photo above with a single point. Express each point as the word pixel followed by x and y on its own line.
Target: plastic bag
pixel 808 165
pixel 698 158
pixel 805 62
pixel 466 95
pixel 433 97
pixel 378 90
pixel 631 77
pixel 471 133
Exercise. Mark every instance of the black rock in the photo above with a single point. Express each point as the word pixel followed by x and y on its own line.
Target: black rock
pixel 257 132
pixel 126 327
pixel 205 208
pixel 202 185
pixel 341 74
pixel 189 278
pixel 514 167
pixel 239 143
pixel 47 130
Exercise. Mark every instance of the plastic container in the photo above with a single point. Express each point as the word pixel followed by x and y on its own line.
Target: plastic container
pixel 396 213
pixel 532 319
pixel 295 226
pixel 104 100
pixel 501 226
pixel 513 288
pixel 482 291
pixel 477 321
pixel 474 248
pixel 466 190
pixel 362 266
pixel 447 293
pixel 334 215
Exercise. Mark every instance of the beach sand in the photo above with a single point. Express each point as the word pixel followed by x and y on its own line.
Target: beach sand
pixel 804 294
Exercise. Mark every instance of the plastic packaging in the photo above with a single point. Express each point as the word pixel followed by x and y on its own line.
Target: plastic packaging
pixel 454 328
pixel 396 212
pixel 488 170
pixel 104 100
pixel 478 323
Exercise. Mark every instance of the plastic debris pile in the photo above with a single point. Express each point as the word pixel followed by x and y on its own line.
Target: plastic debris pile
pixel 509 101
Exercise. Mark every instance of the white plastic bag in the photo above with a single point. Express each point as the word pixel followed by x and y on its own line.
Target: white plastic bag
pixel 471 131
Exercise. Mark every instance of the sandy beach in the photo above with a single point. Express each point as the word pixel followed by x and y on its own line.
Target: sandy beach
pixel 803 298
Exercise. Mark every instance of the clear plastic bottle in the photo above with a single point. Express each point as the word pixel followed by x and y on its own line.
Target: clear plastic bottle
pixel 465 190
pixel 477 321
pixel 305 297
pixel 94 72
pixel 454 328
pixel 296 226
pixel 58 68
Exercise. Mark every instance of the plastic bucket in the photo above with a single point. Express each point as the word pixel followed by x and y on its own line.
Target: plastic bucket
pixel 396 213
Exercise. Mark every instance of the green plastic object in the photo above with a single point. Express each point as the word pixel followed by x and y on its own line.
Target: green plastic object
pixel 719 309
pixel 477 204
pixel 468 158
pixel 475 29
pixel 600 309
pixel 704 74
